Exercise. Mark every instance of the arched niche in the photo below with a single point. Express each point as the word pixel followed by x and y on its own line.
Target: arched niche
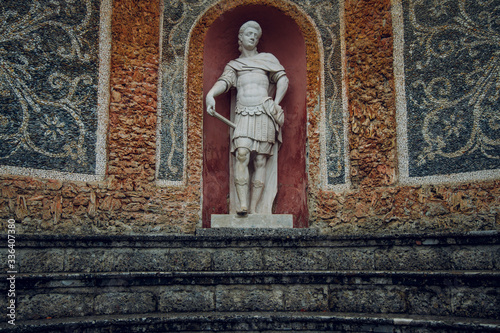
pixel 289 35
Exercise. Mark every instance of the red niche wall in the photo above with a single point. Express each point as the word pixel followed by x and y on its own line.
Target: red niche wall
pixel 282 37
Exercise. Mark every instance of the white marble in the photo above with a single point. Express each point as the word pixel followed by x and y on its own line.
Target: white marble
pixel 234 221
pixel 256 120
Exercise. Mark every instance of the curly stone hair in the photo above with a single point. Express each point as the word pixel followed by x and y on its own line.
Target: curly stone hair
pixel 246 25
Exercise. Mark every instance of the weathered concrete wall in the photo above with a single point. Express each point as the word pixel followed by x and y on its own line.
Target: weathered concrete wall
pixel 130 200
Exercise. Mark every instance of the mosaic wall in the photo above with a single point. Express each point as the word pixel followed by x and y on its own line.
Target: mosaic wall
pixel 128 201
pixel 48 84
pixel 452 80
pixel 178 18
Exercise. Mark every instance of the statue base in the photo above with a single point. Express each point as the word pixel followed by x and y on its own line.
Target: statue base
pixel 269 221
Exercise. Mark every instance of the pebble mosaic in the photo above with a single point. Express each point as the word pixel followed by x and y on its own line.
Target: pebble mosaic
pixel 451 57
pixel 49 78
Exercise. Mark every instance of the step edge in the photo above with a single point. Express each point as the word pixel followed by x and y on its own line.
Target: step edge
pixel 41 240
pixel 152 318
pixel 256 273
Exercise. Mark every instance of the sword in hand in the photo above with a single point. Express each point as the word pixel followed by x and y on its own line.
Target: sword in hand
pixel 211 111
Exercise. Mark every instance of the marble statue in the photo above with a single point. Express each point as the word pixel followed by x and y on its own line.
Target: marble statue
pixel 257 121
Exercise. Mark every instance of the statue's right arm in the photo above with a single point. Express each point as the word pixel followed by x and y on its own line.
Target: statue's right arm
pixel 218 88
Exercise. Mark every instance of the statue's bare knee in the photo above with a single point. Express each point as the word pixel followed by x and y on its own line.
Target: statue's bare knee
pixel 260 161
pixel 241 176
pixel 242 155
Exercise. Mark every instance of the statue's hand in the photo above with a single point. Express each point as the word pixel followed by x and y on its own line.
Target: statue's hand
pixel 210 105
pixel 279 114
pixel 277 109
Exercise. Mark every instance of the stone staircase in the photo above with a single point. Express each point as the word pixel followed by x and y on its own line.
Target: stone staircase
pixel 257 280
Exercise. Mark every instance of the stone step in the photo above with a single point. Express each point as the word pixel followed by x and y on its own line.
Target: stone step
pixel 446 293
pixel 234 250
pixel 227 273
pixel 255 322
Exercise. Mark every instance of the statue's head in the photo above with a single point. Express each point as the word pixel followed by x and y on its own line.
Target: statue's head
pixel 247 25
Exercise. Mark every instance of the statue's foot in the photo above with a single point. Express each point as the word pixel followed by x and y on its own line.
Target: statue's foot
pixel 243 211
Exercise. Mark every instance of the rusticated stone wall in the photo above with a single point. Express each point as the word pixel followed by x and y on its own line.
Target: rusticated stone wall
pixel 130 201
pixel 377 201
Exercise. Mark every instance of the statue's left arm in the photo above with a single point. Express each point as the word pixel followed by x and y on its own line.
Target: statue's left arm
pixel 277 75
pixel 281 88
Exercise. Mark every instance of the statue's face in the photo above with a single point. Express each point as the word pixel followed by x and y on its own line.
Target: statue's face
pixel 250 38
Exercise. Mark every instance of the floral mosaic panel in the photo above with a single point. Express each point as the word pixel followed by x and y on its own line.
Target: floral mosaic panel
pixel 178 18
pixel 452 85
pixel 48 84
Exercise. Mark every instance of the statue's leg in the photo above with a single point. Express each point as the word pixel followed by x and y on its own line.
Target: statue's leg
pixel 242 178
pixel 258 181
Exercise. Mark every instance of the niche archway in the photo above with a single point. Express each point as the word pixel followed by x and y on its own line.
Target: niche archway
pixel 289 34
pixel 281 37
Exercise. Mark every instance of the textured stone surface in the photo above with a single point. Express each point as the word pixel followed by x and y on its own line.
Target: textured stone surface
pixel 43 260
pixel 236 259
pixel 187 299
pixel 430 300
pixel 290 259
pixel 48 102
pixel 43 306
pixel 459 294
pixel 368 299
pixel 98 260
pixel 413 259
pixel 124 302
pixel 127 259
pixel 128 201
pixel 249 298
pixel 479 258
pixel 278 270
pixel 306 298
pixel 371 92
pixel 269 322
pixel 190 260
pixel 452 103
pixel 291 249
pixel 484 303
pixel 345 259
pixel 252 221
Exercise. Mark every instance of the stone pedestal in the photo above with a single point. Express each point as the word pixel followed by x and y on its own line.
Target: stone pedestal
pixel 252 221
